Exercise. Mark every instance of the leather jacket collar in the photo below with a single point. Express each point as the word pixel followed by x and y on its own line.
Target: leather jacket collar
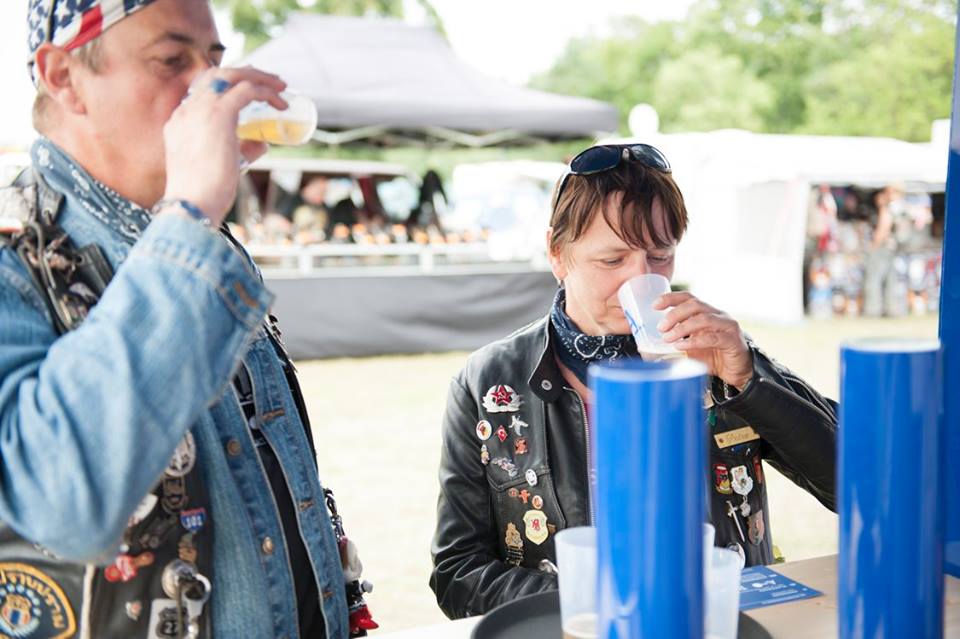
pixel 546 380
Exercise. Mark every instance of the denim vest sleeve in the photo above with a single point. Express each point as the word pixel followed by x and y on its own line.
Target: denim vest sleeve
pixel 89 420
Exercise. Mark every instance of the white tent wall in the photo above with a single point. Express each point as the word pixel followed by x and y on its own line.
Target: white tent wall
pixel 747 196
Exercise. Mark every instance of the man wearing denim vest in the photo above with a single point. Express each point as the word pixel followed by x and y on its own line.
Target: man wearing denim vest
pixel 158 479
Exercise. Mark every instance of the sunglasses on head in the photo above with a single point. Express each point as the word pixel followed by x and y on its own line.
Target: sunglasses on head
pixel 605 157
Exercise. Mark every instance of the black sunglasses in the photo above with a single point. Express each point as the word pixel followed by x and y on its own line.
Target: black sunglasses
pixel 605 157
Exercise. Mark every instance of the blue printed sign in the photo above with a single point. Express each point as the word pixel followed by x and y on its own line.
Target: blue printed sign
pixel 761 587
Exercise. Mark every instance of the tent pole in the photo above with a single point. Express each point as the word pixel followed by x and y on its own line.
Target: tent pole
pixel 950 327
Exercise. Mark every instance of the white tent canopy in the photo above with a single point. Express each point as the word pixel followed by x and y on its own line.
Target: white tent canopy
pixel 747 196
pixel 383 81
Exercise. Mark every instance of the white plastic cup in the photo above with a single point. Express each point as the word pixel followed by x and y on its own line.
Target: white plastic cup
pixel 294 125
pixel 709 535
pixel 636 297
pixel 577 566
pixel 723 595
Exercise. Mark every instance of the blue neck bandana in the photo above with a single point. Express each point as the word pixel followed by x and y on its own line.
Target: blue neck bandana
pixel 578 350
pixel 65 176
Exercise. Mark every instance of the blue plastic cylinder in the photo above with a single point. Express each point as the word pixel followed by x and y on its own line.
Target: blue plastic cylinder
pixel 650 453
pixel 890 491
pixel 950 327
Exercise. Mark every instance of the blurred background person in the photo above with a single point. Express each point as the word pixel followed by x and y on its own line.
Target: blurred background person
pixel 311 218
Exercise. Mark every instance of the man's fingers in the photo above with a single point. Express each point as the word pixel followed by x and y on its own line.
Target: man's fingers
pixel 251 150
pixel 245 92
pixel 236 75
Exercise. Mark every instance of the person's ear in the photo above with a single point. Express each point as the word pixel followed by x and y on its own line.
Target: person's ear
pixel 55 70
pixel 557 265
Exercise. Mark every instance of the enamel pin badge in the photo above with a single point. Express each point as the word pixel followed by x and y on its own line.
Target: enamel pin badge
pixel 502 399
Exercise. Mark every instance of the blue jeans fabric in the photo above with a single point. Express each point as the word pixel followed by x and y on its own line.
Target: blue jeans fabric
pixel 89 420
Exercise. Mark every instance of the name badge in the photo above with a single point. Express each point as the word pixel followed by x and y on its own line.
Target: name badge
pixel 734 437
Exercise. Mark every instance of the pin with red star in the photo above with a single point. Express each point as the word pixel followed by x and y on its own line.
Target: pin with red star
pixel 502 399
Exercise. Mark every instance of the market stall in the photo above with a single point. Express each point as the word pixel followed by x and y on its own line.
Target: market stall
pixel 749 198
pixel 358 253
pixel 384 82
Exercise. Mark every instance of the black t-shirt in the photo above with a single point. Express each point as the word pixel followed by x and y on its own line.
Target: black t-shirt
pixel 308 599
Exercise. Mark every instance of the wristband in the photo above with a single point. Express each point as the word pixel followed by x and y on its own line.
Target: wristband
pixel 191 210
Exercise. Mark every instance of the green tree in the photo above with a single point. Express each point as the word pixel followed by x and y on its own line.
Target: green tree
pixel 620 69
pixel 704 90
pixel 259 20
pixel 882 67
pixel 892 88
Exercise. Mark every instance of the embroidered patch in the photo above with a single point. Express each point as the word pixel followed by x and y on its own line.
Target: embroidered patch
pixel 721 479
pixel 535 526
pixel 184 457
pixel 32 604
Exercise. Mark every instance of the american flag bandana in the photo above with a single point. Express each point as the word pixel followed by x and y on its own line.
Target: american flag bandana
pixel 73 23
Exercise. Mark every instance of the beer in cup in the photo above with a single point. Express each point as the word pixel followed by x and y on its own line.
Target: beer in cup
pixel 261 122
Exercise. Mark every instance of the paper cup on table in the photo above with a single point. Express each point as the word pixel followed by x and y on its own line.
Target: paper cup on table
pixel 723 594
pixel 636 297
pixel 577 563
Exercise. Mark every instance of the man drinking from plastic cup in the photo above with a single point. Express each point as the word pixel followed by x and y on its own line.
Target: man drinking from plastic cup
pixel 159 478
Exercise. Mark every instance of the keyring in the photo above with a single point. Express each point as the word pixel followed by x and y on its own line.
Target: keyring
pixel 219 85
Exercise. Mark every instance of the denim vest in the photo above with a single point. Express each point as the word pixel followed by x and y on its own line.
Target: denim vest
pixel 89 421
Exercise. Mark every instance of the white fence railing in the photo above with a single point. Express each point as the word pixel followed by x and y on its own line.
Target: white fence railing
pixel 424 258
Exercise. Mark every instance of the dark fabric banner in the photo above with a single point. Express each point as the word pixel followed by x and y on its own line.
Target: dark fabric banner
pixel 376 315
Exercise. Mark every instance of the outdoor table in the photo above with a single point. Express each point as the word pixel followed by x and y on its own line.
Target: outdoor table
pixel 814 618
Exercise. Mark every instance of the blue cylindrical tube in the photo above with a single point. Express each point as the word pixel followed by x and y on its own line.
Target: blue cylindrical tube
pixel 650 447
pixel 890 490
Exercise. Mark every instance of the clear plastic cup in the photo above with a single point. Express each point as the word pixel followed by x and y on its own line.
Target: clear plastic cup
pixel 294 125
pixel 709 534
pixel 722 595
pixel 577 565
pixel 636 297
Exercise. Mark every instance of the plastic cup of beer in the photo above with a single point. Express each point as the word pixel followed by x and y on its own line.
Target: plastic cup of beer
pixel 637 296
pixel 261 122
pixel 722 595
pixel 577 565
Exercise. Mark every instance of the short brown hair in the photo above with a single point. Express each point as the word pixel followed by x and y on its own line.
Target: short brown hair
pixel 89 55
pixel 585 195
